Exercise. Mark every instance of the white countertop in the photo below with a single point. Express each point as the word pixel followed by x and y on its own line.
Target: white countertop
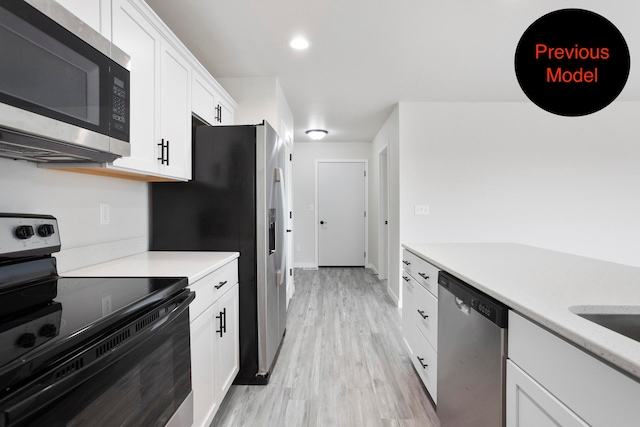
pixel 543 285
pixel 194 265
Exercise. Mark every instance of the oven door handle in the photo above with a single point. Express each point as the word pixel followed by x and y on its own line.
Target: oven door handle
pixel 44 389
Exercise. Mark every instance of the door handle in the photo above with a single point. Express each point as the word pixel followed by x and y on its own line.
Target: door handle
pixel 424 316
pixel 220 285
pixel 424 276
pixel 322 222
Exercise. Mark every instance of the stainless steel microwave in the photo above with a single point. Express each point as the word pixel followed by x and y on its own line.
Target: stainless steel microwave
pixel 64 89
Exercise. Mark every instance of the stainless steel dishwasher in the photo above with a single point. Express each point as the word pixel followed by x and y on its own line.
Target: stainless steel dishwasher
pixel 472 351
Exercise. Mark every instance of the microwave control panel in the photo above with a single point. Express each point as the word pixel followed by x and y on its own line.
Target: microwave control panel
pixel 119 122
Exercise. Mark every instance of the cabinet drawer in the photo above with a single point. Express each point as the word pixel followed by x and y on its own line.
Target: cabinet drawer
pixel 425 273
pixel 425 360
pixel 211 287
pixel 425 314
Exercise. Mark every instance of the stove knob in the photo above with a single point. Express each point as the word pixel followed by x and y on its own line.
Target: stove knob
pixel 45 230
pixel 48 330
pixel 26 340
pixel 24 232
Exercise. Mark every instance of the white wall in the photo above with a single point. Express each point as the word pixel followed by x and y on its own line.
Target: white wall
pixel 388 136
pixel 513 172
pixel 304 190
pixel 74 200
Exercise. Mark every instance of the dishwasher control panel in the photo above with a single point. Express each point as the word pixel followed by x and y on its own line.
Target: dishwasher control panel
pixel 467 295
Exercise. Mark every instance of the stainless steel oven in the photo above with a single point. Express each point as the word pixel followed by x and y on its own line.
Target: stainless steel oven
pixel 88 351
pixel 64 89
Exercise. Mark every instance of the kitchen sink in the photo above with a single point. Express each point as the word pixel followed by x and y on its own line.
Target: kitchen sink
pixel 624 320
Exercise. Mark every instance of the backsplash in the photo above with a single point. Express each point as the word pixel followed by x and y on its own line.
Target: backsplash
pixel 74 199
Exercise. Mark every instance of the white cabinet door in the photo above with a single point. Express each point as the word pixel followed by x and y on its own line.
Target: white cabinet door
pixel 225 113
pixel 530 405
pixel 175 118
pixel 203 99
pixel 133 33
pixel 228 343
pixel 203 361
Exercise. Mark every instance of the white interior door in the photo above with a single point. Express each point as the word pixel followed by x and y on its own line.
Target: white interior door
pixel 341 213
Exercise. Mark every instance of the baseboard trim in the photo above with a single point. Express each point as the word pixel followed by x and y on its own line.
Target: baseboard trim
pixel 305 265
pixel 393 296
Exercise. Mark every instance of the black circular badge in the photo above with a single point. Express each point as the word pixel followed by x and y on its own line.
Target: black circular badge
pixel 572 62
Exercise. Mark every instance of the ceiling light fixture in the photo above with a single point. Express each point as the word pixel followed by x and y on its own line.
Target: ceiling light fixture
pixel 316 134
pixel 299 43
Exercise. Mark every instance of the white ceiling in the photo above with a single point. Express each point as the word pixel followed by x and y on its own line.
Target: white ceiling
pixel 367 55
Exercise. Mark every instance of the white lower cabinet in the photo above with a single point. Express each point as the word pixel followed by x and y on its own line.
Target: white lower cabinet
pixel 228 341
pixel 530 405
pixel 420 318
pixel 215 354
pixel 551 382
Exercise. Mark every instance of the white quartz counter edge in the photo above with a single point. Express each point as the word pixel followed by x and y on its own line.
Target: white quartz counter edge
pixel 543 285
pixel 194 265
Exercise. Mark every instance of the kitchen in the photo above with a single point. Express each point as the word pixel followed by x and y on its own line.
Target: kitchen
pixel 512 172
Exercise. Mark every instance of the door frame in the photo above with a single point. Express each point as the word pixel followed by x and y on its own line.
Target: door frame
pixel 366 205
pixel 383 208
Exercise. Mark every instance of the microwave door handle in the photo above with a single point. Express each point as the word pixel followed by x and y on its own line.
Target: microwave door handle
pixel 26 401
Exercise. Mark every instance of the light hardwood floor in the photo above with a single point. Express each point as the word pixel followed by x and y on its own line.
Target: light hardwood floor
pixel 342 362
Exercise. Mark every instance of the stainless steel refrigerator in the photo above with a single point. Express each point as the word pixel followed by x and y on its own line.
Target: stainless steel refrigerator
pixel 235 202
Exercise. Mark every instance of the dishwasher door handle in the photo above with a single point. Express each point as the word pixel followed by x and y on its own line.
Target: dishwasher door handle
pixel 462 306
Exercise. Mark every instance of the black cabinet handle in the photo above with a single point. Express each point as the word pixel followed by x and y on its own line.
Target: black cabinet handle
pixel 421 359
pixel 424 316
pixel 424 276
pixel 220 285
pixel 162 159
pixel 322 222
pixel 223 322
pixel 406 262
pixel 406 279
pixel 221 331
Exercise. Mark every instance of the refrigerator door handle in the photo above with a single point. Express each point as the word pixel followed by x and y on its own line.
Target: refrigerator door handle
pixel 279 175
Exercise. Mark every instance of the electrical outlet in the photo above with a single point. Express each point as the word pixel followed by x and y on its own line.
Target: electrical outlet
pixel 421 209
pixel 105 214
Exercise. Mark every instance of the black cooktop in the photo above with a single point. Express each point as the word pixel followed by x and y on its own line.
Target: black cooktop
pixel 64 312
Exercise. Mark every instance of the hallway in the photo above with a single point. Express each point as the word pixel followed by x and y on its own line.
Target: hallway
pixel 342 362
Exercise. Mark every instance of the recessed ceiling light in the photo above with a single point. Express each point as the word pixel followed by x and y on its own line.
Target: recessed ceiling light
pixel 299 43
pixel 316 134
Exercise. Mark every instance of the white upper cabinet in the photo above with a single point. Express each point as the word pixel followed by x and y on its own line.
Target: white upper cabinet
pixel 175 116
pixel 203 99
pixel 168 84
pixel 208 102
pixel 140 40
pixel 160 96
